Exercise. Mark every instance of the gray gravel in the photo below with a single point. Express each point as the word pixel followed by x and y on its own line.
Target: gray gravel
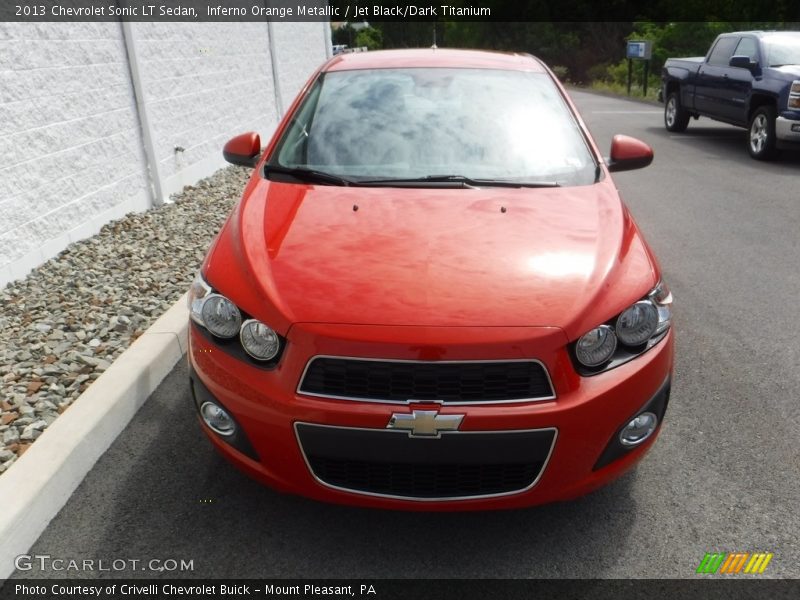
pixel 63 325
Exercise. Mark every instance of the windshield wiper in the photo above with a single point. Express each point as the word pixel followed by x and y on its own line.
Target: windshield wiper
pixel 309 175
pixel 458 179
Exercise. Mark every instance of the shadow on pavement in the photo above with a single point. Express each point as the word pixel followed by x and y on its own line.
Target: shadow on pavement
pixel 726 143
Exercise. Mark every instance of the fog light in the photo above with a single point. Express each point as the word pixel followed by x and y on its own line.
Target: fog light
pixel 639 429
pixel 796 127
pixel 217 418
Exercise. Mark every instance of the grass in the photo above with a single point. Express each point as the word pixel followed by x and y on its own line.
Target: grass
pixel 619 89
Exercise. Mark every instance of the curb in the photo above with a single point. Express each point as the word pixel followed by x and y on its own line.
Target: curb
pixel 41 481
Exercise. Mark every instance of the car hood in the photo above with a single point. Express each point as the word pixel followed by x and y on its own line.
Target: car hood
pixel 788 69
pixel 564 257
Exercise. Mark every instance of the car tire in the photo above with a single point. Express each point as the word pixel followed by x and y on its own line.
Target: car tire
pixel 676 118
pixel 761 136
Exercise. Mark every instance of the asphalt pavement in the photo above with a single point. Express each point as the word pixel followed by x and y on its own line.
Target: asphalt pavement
pixel 723 475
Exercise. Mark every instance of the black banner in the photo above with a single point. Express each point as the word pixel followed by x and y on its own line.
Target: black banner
pixel 384 10
pixel 416 589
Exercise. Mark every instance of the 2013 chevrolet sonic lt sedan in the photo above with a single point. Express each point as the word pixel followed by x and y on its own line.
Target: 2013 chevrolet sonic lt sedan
pixel 430 295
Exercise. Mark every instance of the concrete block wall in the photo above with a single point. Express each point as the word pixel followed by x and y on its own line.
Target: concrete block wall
pixel 202 84
pixel 297 47
pixel 73 155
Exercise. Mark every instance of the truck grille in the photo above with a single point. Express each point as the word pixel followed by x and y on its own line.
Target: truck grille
pixel 448 382
pixel 458 465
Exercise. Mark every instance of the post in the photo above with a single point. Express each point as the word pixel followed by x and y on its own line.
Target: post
pixel 276 78
pixel 630 75
pixel 646 73
pixel 153 166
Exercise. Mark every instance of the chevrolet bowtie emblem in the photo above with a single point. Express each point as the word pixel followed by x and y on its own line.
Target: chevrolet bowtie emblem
pixel 424 423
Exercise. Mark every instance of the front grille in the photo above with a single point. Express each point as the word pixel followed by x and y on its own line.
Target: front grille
pixel 457 465
pixel 423 481
pixel 449 382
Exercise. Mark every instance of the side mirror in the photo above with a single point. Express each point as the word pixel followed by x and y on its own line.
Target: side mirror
pixel 743 62
pixel 243 150
pixel 628 153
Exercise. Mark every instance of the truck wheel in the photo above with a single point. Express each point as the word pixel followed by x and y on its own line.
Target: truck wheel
pixel 675 117
pixel 761 139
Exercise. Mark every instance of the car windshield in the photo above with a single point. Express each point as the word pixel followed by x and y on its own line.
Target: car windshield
pixel 416 123
pixel 782 50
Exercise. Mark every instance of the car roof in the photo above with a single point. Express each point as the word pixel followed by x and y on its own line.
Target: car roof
pixel 435 57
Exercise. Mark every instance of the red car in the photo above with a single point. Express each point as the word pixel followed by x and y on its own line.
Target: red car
pixel 430 296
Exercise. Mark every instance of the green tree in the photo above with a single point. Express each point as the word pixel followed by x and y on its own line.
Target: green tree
pixel 370 37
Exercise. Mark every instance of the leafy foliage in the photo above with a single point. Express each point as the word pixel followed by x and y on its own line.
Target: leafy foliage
pixel 370 37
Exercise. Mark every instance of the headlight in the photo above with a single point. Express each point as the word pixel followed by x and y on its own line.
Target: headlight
pixel 259 341
pixel 596 347
pixel 794 95
pixel 221 317
pixel 213 311
pixel 197 293
pixel 637 329
pixel 661 297
pixel 638 323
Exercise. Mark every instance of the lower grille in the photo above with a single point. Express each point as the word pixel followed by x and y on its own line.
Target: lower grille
pixel 424 481
pixel 458 465
pixel 464 382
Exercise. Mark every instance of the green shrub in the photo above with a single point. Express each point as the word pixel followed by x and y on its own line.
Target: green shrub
pixel 370 37
pixel 561 72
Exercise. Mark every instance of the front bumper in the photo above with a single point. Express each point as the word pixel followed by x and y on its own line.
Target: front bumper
pixel 787 130
pixel 585 417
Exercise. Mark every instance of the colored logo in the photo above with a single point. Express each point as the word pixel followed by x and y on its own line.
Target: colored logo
pixel 425 423
pixel 735 562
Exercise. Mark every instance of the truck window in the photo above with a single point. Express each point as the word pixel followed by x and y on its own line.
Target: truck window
pixel 747 47
pixel 782 49
pixel 723 50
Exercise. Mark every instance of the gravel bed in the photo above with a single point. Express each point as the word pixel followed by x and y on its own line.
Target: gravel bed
pixel 64 324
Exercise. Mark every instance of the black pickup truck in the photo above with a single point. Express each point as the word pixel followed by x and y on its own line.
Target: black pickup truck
pixel 750 79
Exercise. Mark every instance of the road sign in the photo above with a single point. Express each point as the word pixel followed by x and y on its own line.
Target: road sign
pixel 641 50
